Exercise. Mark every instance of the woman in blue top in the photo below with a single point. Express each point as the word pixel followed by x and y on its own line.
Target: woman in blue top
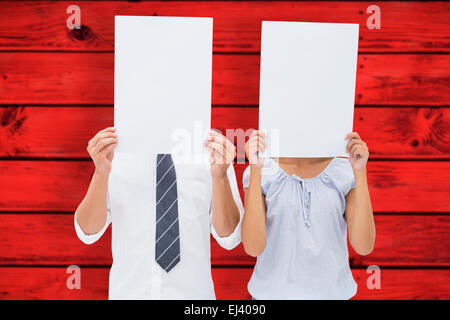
pixel 297 212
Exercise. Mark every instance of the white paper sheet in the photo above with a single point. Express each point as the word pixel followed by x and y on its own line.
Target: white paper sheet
pixel 307 87
pixel 162 92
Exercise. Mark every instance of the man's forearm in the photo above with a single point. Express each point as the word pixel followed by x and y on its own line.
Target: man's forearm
pixel 225 211
pixel 91 213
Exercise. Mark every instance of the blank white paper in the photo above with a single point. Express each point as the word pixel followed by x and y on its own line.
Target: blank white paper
pixel 162 92
pixel 307 87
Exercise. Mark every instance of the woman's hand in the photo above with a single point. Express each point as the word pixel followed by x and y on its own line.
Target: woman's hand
pixel 221 153
pixel 101 149
pixel 357 150
pixel 256 143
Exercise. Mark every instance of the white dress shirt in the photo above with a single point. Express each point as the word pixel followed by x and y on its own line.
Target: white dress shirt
pixel 131 210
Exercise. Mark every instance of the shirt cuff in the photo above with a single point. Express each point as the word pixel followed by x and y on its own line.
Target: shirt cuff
pixel 90 238
pixel 231 241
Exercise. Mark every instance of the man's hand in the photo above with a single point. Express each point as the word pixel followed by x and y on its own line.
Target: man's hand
pixel 256 143
pixel 221 153
pixel 357 150
pixel 101 149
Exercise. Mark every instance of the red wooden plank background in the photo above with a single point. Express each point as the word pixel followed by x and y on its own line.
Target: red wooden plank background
pixel 406 26
pixel 87 78
pixel 56 91
pixel 230 283
pixel 394 247
pixel 391 132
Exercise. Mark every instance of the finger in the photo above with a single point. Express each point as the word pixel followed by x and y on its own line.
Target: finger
pixel 217 137
pixel 108 148
pixel 353 142
pixel 352 135
pixel 254 151
pixel 219 148
pixel 257 138
pixel 253 135
pixel 210 150
pixel 362 151
pixel 352 148
pixel 100 136
pixel 218 154
pixel 231 148
pixel 253 145
pixel 259 133
pixel 226 143
pixel 257 145
pixel 262 142
pixel 216 130
pixel 102 144
pixel 214 133
pixel 108 129
pixel 261 147
pixel 253 155
pixel 358 150
pixel 350 144
pixel 212 155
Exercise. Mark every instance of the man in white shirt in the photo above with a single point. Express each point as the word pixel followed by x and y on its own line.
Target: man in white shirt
pixel 123 191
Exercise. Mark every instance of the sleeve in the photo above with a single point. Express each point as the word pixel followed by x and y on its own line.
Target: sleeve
pixel 231 241
pixel 348 177
pixel 267 175
pixel 246 178
pixel 91 238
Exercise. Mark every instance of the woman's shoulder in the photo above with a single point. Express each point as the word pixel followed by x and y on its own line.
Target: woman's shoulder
pixel 269 171
pixel 341 173
pixel 341 164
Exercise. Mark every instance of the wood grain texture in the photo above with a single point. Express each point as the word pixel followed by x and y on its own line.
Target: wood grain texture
pixel 400 186
pixel 405 26
pixel 56 91
pixel 230 283
pixel 88 78
pixel 409 284
pixel 402 240
pixel 406 133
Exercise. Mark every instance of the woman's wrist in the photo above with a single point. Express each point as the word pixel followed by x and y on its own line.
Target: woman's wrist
pixel 101 173
pixel 255 168
pixel 360 176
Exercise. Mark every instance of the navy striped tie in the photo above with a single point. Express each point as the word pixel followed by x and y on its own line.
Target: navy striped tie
pixel 167 246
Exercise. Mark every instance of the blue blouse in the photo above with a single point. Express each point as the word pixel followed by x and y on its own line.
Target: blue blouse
pixel 306 254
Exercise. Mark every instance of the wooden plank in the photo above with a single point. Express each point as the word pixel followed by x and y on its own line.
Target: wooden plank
pixel 406 133
pixel 230 283
pixel 50 132
pixel 397 133
pixel 87 78
pixel 405 284
pixel 29 239
pixel 399 186
pixel 408 240
pixel 43 186
pixel 402 240
pixel 405 26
